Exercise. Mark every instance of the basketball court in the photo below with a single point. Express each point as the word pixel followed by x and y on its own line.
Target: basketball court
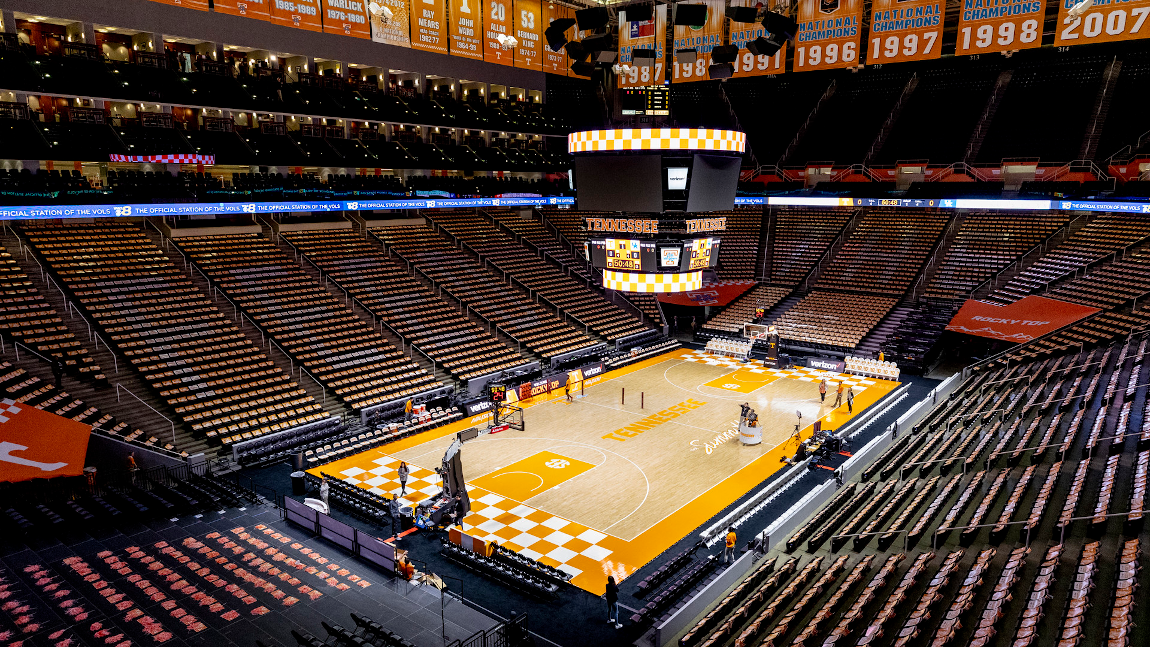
pixel 604 483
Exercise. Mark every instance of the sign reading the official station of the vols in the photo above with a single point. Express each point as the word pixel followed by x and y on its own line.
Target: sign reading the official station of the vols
pixel 987 26
pixel 828 35
pixel 905 31
pixel 623 225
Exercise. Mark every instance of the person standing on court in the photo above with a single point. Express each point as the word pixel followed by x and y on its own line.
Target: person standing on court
pixel 851 400
pixel 839 395
pixel 403 472
pixel 729 546
pixel 823 390
pixel 612 597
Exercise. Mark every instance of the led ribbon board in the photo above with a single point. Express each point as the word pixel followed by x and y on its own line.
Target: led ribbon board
pixel 657 139
pixel 652 283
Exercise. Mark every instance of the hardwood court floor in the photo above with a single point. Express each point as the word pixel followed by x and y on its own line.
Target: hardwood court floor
pixel 601 486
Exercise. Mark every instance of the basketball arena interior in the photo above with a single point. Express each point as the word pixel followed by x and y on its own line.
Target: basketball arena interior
pixel 495 323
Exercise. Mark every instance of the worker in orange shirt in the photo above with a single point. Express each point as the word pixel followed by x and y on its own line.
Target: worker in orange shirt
pixel 729 547
pixel 839 395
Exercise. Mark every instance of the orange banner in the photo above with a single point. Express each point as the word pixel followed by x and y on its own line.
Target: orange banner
pixel 301 14
pixel 199 5
pixel 466 28
pixel 580 34
pixel 1103 22
pixel 35 444
pixel 748 64
pixel 556 62
pixel 497 19
pixel 905 31
pixel 987 26
pixel 1020 321
pixel 257 9
pixel 346 17
pixel 394 31
pixel 649 34
pixel 529 34
pixel 828 35
pixel 702 40
pixel 429 26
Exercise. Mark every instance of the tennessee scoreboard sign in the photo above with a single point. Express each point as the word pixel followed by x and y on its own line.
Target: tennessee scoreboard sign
pixel 748 64
pixel 702 40
pixel 987 26
pixel 828 35
pixel 1106 21
pixel 642 35
pixel 905 31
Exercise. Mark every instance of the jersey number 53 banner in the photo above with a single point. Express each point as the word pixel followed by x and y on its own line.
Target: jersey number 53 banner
pixel 987 26
pixel 905 31
pixel 1103 22
pixel 828 35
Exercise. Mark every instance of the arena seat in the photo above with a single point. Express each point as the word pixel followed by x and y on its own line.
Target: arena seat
pixel 799 239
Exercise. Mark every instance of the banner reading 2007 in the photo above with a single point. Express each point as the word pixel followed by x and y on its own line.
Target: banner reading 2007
pixel 649 34
pixel 987 26
pixel 702 40
pixel 905 31
pixel 1103 22
pixel 828 35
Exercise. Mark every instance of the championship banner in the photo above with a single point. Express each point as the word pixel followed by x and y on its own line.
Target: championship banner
pixel 905 31
pixel 35 444
pixel 429 26
pixel 301 14
pixel 257 9
pixel 702 40
pixel 987 26
pixel 395 31
pixel 649 34
pixel 828 35
pixel 198 5
pixel 528 33
pixel 497 19
pixel 346 17
pixel 1102 22
pixel 719 294
pixel 748 64
pixel 555 62
pixel 466 28
pixel 1020 321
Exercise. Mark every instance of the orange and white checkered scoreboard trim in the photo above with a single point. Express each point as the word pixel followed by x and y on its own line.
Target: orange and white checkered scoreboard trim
pixel 631 282
pixel 641 139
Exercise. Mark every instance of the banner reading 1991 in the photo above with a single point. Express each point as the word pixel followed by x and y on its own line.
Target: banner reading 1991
pixel 748 64
pixel 905 31
pixel 987 26
pixel 828 35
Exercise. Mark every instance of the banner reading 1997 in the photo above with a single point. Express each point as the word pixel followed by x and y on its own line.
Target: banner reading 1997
pixel 828 35
pixel 905 31
pixel 987 26
pixel 1106 21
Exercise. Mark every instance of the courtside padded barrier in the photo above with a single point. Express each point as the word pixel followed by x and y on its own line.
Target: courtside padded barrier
pixel 685 616
pixel 672 566
pixel 475 385
pixel 366 413
pixel 795 515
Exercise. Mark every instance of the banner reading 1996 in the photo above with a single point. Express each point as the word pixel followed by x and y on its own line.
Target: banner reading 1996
pixel 748 64
pixel 987 26
pixel 701 39
pixel 905 31
pixel 1106 21
pixel 649 34
pixel 828 35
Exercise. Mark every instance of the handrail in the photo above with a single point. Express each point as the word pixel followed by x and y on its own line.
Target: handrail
pixel 827 94
pixel 120 386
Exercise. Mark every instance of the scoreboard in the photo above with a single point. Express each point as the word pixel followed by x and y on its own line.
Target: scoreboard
pixel 651 101
pixel 652 256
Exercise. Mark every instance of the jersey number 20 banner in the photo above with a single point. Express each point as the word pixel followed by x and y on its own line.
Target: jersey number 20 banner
pixel 905 31
pixel 828 35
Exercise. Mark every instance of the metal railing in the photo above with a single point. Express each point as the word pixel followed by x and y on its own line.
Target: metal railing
pixel 120 387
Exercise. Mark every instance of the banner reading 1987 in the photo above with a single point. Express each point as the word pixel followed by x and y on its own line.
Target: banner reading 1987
pixel 828 35
pixel 648 34
pixel 1106 21
pixel 987 26
pixel 905 31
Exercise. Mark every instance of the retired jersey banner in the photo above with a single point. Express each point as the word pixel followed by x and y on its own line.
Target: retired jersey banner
pixel 199 5
pixel 257 9
pixel 394 31
pixel 1103 22
pixel 828 35
pixel 35 444
pixel 301 14
pixel 466 28
pixel 987 26
pixel 649 34
pixel 529 34
pixel 346 17
pixel 905 31
pixel 555 62
pixel 497 20
pixel 1020 321
pixel 702 40
pixel 429 25
pixel 748 64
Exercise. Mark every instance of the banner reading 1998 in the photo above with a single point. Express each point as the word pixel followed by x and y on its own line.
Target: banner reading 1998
pixel 828 35
pixel 905 31
pixel 1106 21
pixel 987 26
pixel 702 39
